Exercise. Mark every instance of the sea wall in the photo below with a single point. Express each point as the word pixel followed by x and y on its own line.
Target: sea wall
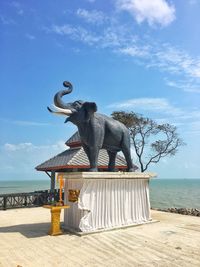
pixel 184 211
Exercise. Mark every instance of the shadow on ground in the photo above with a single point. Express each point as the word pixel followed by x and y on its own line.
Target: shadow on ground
pixel 28 230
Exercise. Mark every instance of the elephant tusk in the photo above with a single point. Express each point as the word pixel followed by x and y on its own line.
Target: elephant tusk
pixel 56 113
pixel 62 110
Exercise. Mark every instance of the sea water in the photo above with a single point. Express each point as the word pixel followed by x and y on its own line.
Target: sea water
pixel 7 187
pixel 164 193
pixel 178 193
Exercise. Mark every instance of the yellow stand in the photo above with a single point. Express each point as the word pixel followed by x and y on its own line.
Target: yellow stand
pixel 55 219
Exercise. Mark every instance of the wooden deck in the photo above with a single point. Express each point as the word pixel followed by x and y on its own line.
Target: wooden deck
pixel 174 241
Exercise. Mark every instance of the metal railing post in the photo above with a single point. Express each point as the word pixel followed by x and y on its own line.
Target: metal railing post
pixel 5 203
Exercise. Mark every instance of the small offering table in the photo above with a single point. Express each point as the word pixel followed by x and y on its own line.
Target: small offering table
pixel 55 219
pixel 106 200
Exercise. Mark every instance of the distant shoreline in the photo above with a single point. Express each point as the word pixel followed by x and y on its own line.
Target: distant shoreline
pixel 183 211
pixel 164 193
pixel 44 180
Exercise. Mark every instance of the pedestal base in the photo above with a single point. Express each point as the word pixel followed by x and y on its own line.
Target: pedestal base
pixel 107 201
pixel 80 233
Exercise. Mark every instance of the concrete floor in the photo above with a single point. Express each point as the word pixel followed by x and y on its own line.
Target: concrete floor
pixel 173 241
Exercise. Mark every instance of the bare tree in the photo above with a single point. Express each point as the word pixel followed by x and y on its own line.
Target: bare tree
pixel 150 140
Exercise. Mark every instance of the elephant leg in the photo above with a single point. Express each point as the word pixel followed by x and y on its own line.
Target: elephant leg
pixel 127 155
pixel 93 153
pixel 112 158
pixel 87 152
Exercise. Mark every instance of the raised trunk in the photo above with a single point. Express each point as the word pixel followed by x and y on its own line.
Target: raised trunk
pixel 58 97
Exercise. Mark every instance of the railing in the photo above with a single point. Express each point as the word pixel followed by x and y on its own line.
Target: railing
pixel 26 200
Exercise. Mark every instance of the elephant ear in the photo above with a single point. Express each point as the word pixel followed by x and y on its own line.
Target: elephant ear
pixel 89 108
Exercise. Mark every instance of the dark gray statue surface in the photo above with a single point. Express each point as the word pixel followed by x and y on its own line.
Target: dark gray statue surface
pixel 96 130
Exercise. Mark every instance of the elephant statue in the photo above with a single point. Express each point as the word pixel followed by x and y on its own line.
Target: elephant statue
pixel 96 130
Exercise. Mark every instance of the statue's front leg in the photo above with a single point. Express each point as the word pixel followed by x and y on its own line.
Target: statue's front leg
pixel 93 158
pixel 92 154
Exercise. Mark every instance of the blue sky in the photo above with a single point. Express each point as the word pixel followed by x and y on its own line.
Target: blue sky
pixel 137 55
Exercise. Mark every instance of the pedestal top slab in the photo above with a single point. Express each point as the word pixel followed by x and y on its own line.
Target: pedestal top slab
pixel 108 175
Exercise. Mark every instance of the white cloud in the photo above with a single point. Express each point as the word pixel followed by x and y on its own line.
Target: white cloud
pixel 166 58
pixel 172 60
pixel 15 4
pixel 24 123
pixel 20 12
pixel 179 61
pixel 190 86
pixel 148 104
pixel 21 146
pixel 110 37
pixel 30 36
pixel 195 125
pixel 26 147
pixel 135 51
pixel 154 12
pixel 6 21
pixel 192 127
pixel 93 16
pixel 64 29
pixel 77 33
pixel 193 2
pixel 18 8
pixel 162 111
pixel 161 56
pixel 22 158
pixel 30 123
pixel 158 105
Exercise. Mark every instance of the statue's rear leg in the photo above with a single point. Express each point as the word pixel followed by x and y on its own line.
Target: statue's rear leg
pixel 112 158
pixel 127 155
pixel 127 152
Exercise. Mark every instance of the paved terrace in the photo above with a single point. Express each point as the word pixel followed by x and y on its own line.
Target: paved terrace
pixel 174 241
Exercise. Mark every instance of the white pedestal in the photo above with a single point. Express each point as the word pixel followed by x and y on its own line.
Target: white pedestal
pixel 107 200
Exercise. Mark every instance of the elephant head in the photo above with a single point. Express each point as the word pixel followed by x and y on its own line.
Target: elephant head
pixel 77 112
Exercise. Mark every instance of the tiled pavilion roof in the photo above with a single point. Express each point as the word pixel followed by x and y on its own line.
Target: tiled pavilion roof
pixel 74 140
pixel 75 158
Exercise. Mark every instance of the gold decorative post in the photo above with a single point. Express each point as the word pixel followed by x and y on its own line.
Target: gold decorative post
pixel 55 219
pixel 61 185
